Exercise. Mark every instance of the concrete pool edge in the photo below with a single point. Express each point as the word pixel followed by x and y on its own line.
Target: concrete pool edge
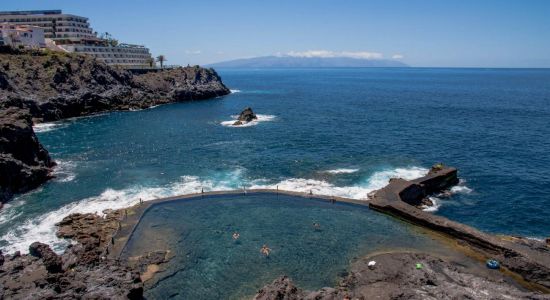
pixel 529 267
pixel 134 214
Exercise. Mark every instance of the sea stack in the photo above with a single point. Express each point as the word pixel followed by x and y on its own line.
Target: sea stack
pixel 246 116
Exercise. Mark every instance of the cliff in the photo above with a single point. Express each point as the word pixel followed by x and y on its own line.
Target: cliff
pixel 49 86
pixel 24 163
pixel 56 85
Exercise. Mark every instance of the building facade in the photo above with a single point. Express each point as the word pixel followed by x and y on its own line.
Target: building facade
pixel 22 36
pixel 125 55
pixel 74 34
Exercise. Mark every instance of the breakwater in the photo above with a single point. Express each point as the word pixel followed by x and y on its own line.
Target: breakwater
pixel 396 198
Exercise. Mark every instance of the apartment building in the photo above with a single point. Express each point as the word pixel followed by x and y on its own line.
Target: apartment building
pixel 74 34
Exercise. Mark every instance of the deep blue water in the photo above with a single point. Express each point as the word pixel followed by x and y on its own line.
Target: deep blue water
pixel 492 124
pixel 209 264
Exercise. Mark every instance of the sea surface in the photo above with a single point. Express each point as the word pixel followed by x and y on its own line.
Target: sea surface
pixel 340 132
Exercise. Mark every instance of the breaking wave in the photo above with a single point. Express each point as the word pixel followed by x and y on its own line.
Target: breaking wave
pixel 235 91
pixel 64 171
pixel 261 118
pixel 435 207
pixel 42 228
pixel 45 127
pixel 341 171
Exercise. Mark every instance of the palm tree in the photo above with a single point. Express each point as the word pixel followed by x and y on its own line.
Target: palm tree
pixel 161 59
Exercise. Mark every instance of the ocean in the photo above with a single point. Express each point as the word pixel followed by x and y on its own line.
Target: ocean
pixel 341 132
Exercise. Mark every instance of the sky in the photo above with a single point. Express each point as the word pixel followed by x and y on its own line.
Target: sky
pixel 421 33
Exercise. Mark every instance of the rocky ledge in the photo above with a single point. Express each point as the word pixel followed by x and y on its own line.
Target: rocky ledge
pixel 529 261
pixel 83 271
pixel 406 276
pixel 49 86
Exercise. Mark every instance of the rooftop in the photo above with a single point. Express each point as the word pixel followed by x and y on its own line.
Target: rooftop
pixel 31 12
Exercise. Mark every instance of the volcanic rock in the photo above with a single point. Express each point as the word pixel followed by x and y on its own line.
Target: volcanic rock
pixel 49 86
pixel 52 261
pixel 246 116
pixel 83 271
pixel 24 163
pixel 396 277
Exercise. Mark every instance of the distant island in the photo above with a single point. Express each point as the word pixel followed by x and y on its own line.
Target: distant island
pixel 308 62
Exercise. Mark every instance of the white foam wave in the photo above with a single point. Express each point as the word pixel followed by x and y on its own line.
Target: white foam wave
pixel 45 127
pixel 261 118
pixel 64 171
pixel 435 207
pixel 42 228
pixel 461 189
pixel 235 91
pixel 359 192
pixel 9 211
pixel 380 179
pixel 341 171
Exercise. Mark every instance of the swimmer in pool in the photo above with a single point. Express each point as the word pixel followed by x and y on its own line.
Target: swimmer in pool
pixel 236 236
pixel 317 226
pixel 265 250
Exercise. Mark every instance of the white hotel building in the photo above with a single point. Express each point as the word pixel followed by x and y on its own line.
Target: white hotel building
pixel 74 34
pixel 24 36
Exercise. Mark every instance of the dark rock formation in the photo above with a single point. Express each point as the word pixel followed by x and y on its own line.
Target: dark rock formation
pixel 522 258
pixel 52 261
pixel 24 163
pixel 83 271
pixel 246 116
pixel 54 86
pixel 49 86
pixel 395 276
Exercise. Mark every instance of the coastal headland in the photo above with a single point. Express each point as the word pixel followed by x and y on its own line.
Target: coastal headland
pixel 42 86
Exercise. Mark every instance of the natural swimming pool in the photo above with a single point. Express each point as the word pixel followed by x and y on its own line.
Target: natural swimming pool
pixel 209 264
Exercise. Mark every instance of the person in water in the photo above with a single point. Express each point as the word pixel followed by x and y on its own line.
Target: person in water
pixel 317 226
pixel 265 250
pixel 236 236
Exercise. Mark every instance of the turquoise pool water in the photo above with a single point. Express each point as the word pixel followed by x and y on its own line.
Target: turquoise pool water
pixel 209 264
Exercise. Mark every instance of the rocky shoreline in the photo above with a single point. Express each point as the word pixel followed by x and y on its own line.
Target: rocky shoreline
pixel 404 275
pixel 84 270
pixel 49 86
pixel 91 268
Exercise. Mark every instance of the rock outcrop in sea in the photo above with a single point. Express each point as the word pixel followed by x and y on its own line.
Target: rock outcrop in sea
pixel 49 86
pixel 247 115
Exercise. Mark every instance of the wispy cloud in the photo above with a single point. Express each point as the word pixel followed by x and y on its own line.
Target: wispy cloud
pixel 328 53
pixel 193 52
pixel 398 56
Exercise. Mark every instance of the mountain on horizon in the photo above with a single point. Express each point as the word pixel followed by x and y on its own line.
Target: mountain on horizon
pixel 307 62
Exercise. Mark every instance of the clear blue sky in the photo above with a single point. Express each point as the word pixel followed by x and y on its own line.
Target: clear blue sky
pixel 487 33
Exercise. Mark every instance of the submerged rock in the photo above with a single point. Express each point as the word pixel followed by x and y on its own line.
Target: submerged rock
pixel 247 115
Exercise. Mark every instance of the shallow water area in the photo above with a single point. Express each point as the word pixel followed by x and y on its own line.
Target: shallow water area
pixel 209 264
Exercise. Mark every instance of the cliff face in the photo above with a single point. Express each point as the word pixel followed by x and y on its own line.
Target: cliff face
pixel 24 163
pixel 54 86
pixel 49 86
